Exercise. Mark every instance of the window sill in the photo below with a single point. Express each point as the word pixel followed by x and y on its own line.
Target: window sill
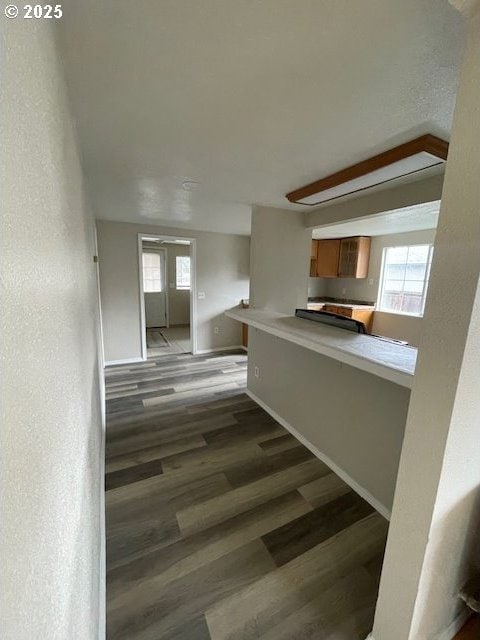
pixel 399 313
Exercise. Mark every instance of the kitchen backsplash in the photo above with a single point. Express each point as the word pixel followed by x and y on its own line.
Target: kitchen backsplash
pixel 370 303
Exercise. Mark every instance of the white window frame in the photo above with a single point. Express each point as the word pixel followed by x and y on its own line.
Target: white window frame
pixel 425 280
pixel 182 287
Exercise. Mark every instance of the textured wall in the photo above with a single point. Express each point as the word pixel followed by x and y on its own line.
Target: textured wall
pixel 433 542
pixel 279 259
pixel 222 274
pixel 317 287
pixel 378 201
pixel 354 418
pixel 51 436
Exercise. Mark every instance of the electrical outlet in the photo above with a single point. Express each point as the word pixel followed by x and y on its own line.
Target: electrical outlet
pixel 216 330
pixel 256 372
pixel 201 295
pixel 370 281
pixel 344 291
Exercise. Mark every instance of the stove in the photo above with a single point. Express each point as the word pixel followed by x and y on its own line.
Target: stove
pixel 341 322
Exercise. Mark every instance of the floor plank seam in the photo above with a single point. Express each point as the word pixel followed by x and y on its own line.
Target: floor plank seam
pixel 220 524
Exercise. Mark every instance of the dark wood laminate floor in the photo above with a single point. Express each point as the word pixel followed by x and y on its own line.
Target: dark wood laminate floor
pixel 220 525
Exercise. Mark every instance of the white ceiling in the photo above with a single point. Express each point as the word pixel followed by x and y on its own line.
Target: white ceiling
pixel 251 98
pixel 421 216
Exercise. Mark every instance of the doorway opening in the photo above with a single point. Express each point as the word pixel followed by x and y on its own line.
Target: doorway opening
pixel 167 295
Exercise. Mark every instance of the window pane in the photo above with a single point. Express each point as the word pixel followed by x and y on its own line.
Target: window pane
pixel 412 304
pixel 183 272
pixel 418 253
pixel 405 278
pixel 392 302
pixel 393 285
pixel 415 271
pixel 414 286
pixel 152 273
pixel 395 271
pixel 397 255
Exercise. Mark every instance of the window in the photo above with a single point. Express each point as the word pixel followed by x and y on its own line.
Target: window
pixel 183 272
pixel 152 272
pixel 404 280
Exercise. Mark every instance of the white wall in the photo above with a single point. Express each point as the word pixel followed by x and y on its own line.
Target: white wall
pixel 222 274
pixel 387 199
pixel 51 437
pixel 400 327
pixel 279 259
pixel 317 287
pixel 393 325
pixel 433 542
pixel 354 418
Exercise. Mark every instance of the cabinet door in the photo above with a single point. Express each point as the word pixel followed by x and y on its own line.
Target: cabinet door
pixel 327 258
pixel 344 311
pixel 354 257
pixel 348 258
pixel 313 259
pixel 363 257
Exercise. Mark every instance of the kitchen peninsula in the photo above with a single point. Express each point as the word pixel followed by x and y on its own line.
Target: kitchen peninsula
pixel 391 361
pixel 344 395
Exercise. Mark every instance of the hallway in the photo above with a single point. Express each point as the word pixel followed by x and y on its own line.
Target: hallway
pixel 164 341
pixel 220 524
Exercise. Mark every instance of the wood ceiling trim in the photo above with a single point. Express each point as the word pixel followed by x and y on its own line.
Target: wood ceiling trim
pixel 428 143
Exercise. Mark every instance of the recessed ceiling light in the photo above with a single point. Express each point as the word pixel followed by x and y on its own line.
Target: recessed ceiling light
pixel 190 185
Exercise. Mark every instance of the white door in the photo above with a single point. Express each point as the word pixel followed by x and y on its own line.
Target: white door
pixel 154 288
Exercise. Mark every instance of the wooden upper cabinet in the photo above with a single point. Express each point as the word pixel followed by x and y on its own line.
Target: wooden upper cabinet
pixel 327 258
pixel 313 259
pixel 354 257
pixel 340 258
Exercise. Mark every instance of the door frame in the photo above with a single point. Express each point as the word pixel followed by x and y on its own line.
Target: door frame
pixel 193 288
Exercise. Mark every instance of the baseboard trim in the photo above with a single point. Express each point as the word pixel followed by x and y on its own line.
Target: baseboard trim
pixel 455 626
pixel 199 352
pixel 366 495
pixel 450 632
pixel 111 363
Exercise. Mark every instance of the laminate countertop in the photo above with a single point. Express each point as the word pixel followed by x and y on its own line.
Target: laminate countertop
pixel 387 360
